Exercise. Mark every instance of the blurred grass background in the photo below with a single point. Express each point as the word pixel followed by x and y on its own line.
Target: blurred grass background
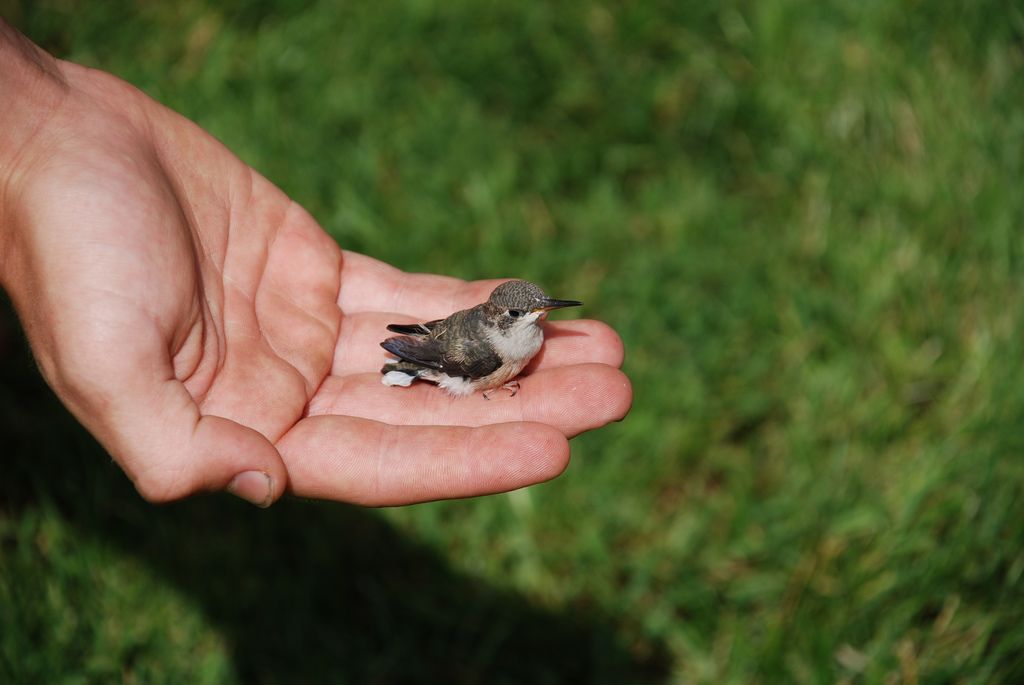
pixel 805 221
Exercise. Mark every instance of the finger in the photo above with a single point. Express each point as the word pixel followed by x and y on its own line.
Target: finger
pixel 371 463
pixel 565 342
pixel 572 399
pixel 370 285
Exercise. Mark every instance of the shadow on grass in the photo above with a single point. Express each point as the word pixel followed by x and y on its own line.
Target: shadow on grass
pixel 303 591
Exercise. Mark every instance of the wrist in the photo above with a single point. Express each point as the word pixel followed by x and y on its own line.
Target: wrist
pixel 32 88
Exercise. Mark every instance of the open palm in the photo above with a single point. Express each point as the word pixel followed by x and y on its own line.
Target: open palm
pixel 212 336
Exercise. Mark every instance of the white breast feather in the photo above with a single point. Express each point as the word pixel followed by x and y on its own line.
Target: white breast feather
pixel 456 385
pixel 517 345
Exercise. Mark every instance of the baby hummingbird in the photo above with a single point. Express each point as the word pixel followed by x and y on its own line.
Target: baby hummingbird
pixel 481 348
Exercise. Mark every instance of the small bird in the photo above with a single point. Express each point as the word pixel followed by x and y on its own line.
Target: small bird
pixel 482 348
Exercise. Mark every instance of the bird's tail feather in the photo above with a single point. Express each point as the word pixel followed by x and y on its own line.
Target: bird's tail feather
pixel 400 373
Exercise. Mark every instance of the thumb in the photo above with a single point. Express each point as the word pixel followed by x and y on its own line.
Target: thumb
pixel 170 451
pixel 156 433
pixel 225 455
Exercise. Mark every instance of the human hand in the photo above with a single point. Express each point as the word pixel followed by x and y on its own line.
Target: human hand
pixel 211 336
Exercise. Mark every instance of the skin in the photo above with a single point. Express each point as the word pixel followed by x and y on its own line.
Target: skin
pixel 211 336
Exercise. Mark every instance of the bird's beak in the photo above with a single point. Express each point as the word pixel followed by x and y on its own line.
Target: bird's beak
pixel 548 303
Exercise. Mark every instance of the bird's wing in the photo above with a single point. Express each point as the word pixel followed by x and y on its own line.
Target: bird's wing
pixel 428 344
pixel 414 328
pixel 471 359
pixel 422 350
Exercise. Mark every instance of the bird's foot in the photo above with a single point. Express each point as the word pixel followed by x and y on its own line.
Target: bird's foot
pixel 511 386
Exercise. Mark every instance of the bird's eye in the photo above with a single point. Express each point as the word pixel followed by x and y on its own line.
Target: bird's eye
pixel 515 313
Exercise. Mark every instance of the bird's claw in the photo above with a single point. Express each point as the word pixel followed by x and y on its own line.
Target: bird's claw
pixel 511 386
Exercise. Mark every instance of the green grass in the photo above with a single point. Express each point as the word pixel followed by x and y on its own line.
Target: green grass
pixel 805 219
